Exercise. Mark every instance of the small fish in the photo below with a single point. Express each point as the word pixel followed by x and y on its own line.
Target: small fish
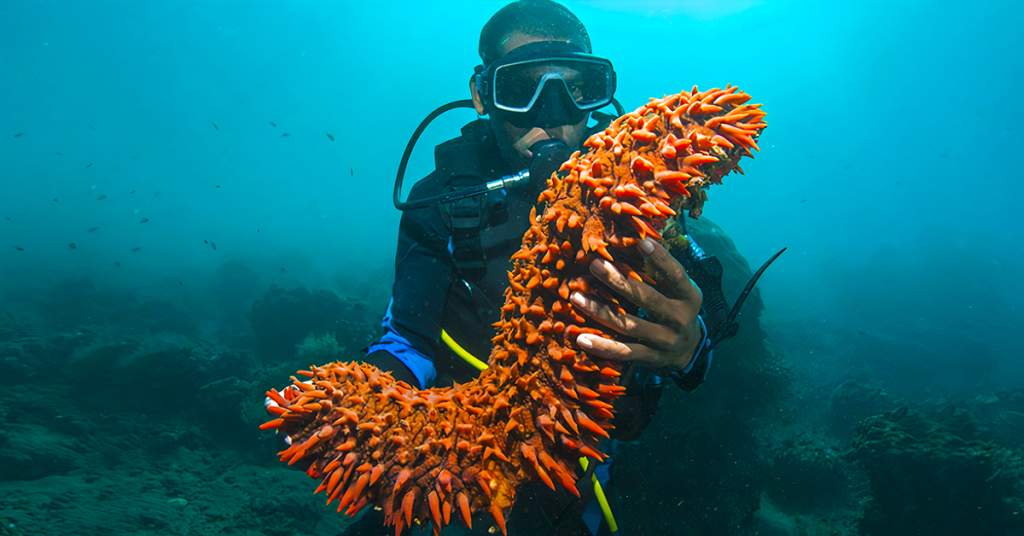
pixel 218 186
pixel 8 218
pixel 90 126
pixel 59 154
pixel 215 126
pixel 93 229
pixel 118 264
pixel 20 134
pixel 285 135
pixel 72 245
pixel 180 283
pixel 133 157
pixel 257 230
pixel 803 200
pixel 101 197
pixel 89 166
pixel 329 136
pixel 54 199
pixel 206 241
pixel 351 172
pixel 135 249
pixel 214 246
pixel 19 249
pixel 273 124
pixel 132 192
pixel 143 220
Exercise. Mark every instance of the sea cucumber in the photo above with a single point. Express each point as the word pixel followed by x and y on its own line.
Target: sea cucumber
pixel 543 403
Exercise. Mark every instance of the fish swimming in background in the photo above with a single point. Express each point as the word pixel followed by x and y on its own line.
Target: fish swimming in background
pixel 90 126
pixel 351 172
pixel 18 135
pixel 100 198
pixel 273 124
pixel 72 245
pixel 206 241
pixel 214 246
pixel 19 249
pixel 329 136
pixel 218 186
pixel 59 154
pixel 118 264
pixel 94 229
pixel 143 220
pixel 215 126
pixel 285 135
pixel 135 249
pixel 89 166
pixel 131 192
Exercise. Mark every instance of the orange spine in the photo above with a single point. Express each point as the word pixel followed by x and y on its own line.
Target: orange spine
pixel 543 403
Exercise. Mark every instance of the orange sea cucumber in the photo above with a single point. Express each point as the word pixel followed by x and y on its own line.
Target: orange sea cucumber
pixel 543 403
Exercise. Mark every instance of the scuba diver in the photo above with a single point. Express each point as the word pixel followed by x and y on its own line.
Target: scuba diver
pixel 536 90
pixel 538 87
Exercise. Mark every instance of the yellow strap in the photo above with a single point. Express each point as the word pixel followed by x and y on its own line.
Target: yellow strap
pixel 598 491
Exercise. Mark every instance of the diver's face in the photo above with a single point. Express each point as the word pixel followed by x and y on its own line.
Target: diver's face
pixel 516 133
pixel 515 142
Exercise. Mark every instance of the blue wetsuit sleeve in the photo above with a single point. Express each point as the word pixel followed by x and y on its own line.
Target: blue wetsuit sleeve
pixel 423 273
pixel 421 366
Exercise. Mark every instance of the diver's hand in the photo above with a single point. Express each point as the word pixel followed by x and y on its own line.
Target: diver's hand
pixel 274 409
pixel 669 339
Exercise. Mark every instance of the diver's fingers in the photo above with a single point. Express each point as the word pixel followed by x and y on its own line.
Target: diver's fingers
pixel 672 274
pixel 615 350
pixel 656 335
pixel 639 293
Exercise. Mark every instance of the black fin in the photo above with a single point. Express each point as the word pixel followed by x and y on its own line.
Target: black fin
pixel 729 326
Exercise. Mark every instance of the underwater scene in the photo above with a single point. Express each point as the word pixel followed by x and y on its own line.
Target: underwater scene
pixel 737 267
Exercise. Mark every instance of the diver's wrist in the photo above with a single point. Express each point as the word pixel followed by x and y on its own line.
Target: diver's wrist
pixel 694 373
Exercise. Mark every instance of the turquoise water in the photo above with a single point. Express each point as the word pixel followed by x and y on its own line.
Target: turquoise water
pixel 151 135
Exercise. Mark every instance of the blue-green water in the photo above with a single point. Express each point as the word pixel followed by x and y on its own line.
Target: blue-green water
pixel 151 135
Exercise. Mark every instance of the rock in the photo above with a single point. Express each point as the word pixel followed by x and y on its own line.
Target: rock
pixel 925 479
pixel 178 502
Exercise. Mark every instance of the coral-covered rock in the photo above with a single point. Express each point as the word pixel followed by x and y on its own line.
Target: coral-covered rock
pixel 282 319
pixel 925 479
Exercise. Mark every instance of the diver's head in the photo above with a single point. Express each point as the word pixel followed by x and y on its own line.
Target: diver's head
pixel 538 80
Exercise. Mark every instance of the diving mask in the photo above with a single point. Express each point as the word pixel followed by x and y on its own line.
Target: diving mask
pixel 516 82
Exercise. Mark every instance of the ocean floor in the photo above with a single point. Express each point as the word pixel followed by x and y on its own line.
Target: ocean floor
pixel 127 428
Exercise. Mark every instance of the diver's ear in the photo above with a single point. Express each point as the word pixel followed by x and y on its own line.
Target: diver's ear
pixel 478 103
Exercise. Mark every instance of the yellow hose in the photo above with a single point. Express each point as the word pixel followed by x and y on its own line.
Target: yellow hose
pixel 480 365
pixel 598 490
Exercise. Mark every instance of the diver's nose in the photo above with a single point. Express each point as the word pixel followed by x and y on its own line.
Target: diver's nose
pixel 556 106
